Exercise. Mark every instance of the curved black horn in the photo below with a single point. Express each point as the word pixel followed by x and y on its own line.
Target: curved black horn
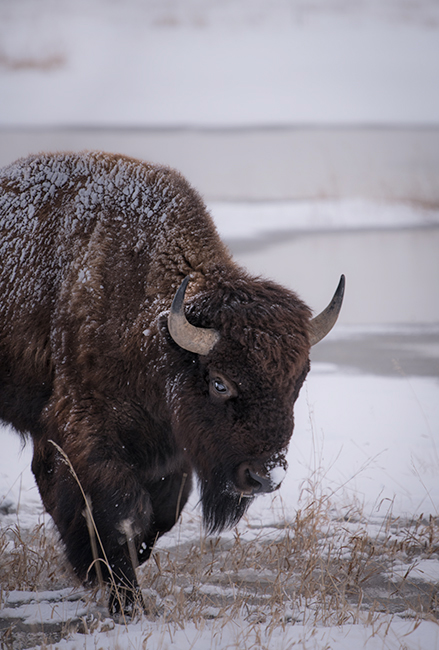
pixel 195 339
pixel 322 324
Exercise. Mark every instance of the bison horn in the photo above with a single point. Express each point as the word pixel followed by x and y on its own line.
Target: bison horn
pixel 195 339
pixel 322 324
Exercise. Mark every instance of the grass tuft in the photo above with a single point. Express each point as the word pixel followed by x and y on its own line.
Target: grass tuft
pixel 31 560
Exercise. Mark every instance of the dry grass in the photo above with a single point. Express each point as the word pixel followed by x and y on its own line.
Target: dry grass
pixel 319 569
pixel 30 560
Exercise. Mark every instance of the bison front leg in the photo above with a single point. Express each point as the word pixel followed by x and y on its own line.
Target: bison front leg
pixel 102 513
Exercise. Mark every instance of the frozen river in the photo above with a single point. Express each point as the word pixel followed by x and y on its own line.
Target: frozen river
pixel 392 275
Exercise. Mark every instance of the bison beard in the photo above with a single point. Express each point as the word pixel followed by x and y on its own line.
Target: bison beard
pixel 100 350
pixel 222 508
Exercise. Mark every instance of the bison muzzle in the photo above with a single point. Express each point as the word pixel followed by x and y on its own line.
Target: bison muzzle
pixel 134 351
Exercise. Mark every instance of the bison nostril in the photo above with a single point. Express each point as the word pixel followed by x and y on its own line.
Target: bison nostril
pixel 249 482
pixel 252 478
pixel 260 483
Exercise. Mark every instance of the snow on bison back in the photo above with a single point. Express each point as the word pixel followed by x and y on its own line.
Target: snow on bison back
pixel 133 345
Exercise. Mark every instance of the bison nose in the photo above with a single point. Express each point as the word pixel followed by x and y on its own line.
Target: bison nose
pixel 261 483
pixel 250 481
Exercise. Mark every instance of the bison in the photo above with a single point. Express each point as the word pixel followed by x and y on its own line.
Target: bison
pixel 134 351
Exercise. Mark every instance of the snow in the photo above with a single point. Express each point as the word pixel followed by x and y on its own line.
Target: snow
pixel 427 570
pixel 277 475
pixel 41 609
pixel 234 636
pixel 218 63
pixel 243 221
pixel 372 438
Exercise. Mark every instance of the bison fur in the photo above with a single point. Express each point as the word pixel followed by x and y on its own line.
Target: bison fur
pixel 93 250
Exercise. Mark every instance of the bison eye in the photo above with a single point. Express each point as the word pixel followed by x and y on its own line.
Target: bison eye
pixel 220 388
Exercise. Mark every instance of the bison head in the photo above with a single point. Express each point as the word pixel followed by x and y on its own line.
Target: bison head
pixel 243 355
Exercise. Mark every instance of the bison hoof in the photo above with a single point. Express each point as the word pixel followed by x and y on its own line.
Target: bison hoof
pixel 126 602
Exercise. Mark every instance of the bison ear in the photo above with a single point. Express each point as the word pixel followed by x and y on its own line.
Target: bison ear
pixel 194 339
pixel 322 324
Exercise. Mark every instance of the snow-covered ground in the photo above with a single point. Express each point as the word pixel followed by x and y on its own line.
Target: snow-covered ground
pixel 368 443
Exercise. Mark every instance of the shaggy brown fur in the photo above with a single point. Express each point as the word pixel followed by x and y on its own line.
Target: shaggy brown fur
pixel 93 248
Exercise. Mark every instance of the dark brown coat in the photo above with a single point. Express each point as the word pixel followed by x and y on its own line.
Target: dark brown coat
pixel 93 249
